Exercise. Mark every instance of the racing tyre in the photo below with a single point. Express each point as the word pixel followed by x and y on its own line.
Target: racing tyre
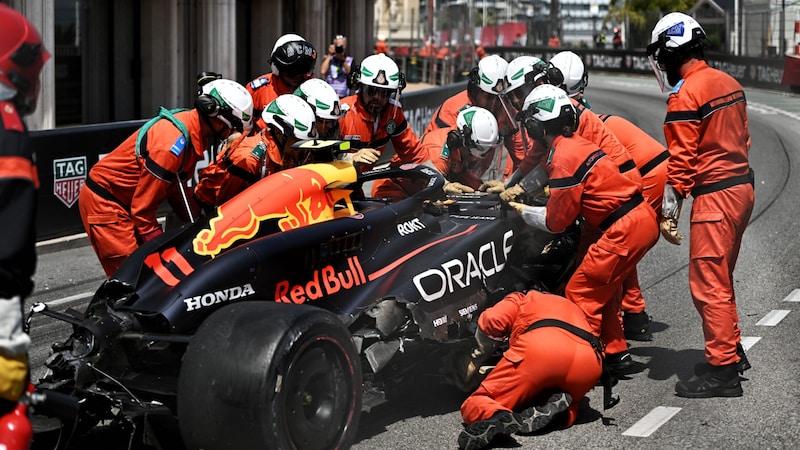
pixel 270 376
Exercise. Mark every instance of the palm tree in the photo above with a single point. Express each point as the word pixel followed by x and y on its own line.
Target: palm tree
pixel 640 16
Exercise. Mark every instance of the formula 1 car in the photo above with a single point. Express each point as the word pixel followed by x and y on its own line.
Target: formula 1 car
pixel 300 303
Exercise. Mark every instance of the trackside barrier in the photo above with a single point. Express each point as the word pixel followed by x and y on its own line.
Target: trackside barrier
pixel 65 156
pixel 765 73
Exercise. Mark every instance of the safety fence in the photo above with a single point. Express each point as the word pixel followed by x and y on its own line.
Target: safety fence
pixel 438 71
pixel 767 73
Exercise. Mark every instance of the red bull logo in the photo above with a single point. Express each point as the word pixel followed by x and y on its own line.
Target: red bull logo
pixel 325 281
pixel 294 197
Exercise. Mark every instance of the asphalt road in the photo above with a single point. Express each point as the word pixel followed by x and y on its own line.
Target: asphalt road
pixel 649 415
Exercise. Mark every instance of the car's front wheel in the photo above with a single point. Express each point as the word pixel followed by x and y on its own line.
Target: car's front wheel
pixel 268 375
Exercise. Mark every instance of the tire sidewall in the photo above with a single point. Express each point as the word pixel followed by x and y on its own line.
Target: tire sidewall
pixel 233 381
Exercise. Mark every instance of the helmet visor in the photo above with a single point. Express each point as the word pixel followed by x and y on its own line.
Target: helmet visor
pixel 303 66
pixel 481 151
pixel 374 91
pixel 660 73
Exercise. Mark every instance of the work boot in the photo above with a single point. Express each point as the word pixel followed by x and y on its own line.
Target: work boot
pixel 717 381
pixel 537 417
pixel 480 433
pixel 619 363
pixel 742 364
pixel 637 326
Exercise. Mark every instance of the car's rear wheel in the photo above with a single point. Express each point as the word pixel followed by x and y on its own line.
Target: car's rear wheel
pixel 268 375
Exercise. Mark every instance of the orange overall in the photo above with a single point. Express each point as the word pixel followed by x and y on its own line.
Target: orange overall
pixel 264 90
pixel 591 128
pixel 650 157
pixel 585 182
pixel 446 114
pixel 118 203
pixel 537 361
pixel 706 130
pixel 246 161
pixel 451 162
pixel 365 130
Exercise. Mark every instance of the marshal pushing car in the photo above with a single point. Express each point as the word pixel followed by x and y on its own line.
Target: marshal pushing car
pixel 300 303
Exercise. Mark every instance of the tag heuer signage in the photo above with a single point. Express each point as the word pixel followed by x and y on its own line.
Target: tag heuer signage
pixel 69 175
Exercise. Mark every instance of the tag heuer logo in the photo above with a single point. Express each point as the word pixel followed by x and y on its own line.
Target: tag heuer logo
pixel 69 175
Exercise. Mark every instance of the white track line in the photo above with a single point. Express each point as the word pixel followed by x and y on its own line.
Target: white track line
pixel 648 424
pixel 793 297
pixel 773 317
pixel 749 341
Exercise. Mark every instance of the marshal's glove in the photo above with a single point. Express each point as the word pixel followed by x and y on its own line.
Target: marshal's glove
pixel 492 187
pixel 366 156
pixel 457 188
pixel 669 229
pixel 13 376
pixel 511 194
pixel 518 207
pixel 232 138
pixel 467 376
pixel 671 212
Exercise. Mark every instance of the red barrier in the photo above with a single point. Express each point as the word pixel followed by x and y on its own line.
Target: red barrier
pixel 791 72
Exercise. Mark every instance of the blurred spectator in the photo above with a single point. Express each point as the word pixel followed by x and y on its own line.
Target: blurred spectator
pixel 517 40
pixel 455 51
pixel 429 49
pixel 480 52
pixel 443 52
pixel 335 66
pixel 380 45
pixel 617 40
pixel 600 40
pixel 554 41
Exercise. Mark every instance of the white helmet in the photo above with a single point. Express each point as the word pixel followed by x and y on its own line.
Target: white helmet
pixel 548 102
pixel 572 68
pixel 380 71
pixel 519 68
pixel 675 37
pixel 492 74
pixel 228 101
pixel 547 111
pixel 291 115
pixel 321 95
pixel 479 131
pixel 676 30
